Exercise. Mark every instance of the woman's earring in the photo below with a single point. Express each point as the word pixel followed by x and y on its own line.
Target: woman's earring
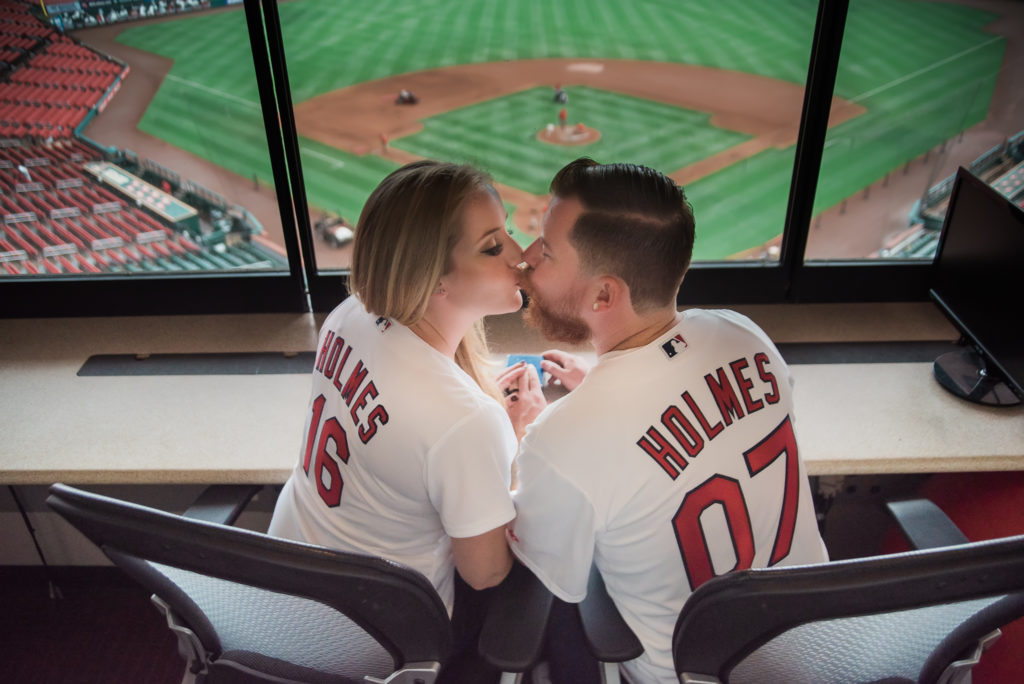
pixel 440 289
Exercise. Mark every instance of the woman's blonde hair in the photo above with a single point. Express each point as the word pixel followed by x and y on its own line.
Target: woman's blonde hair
pixel 403 245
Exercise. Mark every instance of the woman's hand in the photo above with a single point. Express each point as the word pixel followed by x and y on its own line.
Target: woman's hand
pixel 566 368
pixel 524 400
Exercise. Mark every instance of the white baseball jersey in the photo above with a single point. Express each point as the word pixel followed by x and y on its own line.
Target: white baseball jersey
pixel 669 464
pixel 402 450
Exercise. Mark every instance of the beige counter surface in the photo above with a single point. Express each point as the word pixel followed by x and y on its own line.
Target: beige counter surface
pixel 861 419
pixel 149 429
pixel 851 418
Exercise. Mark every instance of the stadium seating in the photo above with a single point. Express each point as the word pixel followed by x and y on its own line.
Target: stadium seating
pixel 1002 167
pixel 1011 183
pixel 49 224
pixel 52 82
pixel 63 221
pixel 55 217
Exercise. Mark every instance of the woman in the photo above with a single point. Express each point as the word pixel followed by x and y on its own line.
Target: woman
pixel 408 449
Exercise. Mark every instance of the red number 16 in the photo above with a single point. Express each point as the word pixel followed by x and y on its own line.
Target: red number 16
pixel 331 444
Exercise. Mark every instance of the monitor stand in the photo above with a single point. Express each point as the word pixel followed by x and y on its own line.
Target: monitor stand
pixel 963 373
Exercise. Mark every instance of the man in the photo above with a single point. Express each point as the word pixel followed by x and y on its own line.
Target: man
pixel 673 459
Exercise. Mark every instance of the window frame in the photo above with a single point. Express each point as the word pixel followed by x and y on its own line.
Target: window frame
pixel 208 293
pixel 305 288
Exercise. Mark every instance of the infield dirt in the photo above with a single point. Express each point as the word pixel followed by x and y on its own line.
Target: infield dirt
pixel 765 108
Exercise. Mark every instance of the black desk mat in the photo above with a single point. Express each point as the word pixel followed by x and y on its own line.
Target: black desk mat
pixel 277 363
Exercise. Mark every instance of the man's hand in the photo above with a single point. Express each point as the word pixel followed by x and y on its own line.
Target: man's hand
pixel 566 368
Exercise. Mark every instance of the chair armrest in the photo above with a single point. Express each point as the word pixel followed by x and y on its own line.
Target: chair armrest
pixel 512 638
pixel 924 524
pixel 608 637
pixel 222 503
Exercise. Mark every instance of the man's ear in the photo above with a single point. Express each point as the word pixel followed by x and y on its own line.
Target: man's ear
pixel 609 293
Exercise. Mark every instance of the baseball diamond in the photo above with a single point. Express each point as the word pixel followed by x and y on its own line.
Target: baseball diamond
pixel 707 91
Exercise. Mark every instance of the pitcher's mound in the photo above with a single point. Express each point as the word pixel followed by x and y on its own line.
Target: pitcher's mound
pixel 577 134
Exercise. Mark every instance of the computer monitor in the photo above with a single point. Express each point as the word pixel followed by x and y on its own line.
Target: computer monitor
pixel 977 280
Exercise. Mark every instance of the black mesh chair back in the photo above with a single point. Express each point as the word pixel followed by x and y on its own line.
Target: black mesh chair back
pixel 248 607
pixel 922 616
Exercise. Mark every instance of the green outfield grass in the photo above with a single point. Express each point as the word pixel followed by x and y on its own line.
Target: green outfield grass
pixel 337 181
pixel 924 71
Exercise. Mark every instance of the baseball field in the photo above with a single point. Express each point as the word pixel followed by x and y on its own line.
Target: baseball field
pixel 708 91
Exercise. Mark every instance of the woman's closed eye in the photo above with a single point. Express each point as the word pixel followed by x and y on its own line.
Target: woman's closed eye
pixel 495 250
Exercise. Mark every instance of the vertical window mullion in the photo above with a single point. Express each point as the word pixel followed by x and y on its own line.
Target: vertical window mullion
pixel 817 107
pixel 271 78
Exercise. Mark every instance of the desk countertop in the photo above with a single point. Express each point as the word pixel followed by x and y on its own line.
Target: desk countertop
pixel 852 418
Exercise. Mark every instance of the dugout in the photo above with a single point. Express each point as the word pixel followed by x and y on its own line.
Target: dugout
pixel 165 206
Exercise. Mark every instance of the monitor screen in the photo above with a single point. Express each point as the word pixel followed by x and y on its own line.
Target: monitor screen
pixel 977 281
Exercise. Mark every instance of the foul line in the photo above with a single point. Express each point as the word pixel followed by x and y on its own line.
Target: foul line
pixel 917 73
pixel 335 163
pixel 213 91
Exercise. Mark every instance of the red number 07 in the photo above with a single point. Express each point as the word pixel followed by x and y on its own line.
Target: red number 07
pixel 726 491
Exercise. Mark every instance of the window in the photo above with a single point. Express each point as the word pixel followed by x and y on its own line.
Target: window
pixel 813 138
pixel 934 86
pixel 133 154
pixel 710 93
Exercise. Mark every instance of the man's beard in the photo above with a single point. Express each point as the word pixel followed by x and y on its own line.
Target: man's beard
pixel 555 322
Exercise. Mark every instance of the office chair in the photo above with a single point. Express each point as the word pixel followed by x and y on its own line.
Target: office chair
pixel 247 607
pixel 922 616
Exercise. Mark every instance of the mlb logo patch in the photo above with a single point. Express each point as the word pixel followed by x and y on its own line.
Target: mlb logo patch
pixel 383 324
pixel 674 346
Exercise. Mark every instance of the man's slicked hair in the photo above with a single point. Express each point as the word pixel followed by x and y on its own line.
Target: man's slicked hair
pixel 636 224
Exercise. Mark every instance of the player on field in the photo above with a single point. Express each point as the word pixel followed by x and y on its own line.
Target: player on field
pixel 407 450
pixel 673 459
